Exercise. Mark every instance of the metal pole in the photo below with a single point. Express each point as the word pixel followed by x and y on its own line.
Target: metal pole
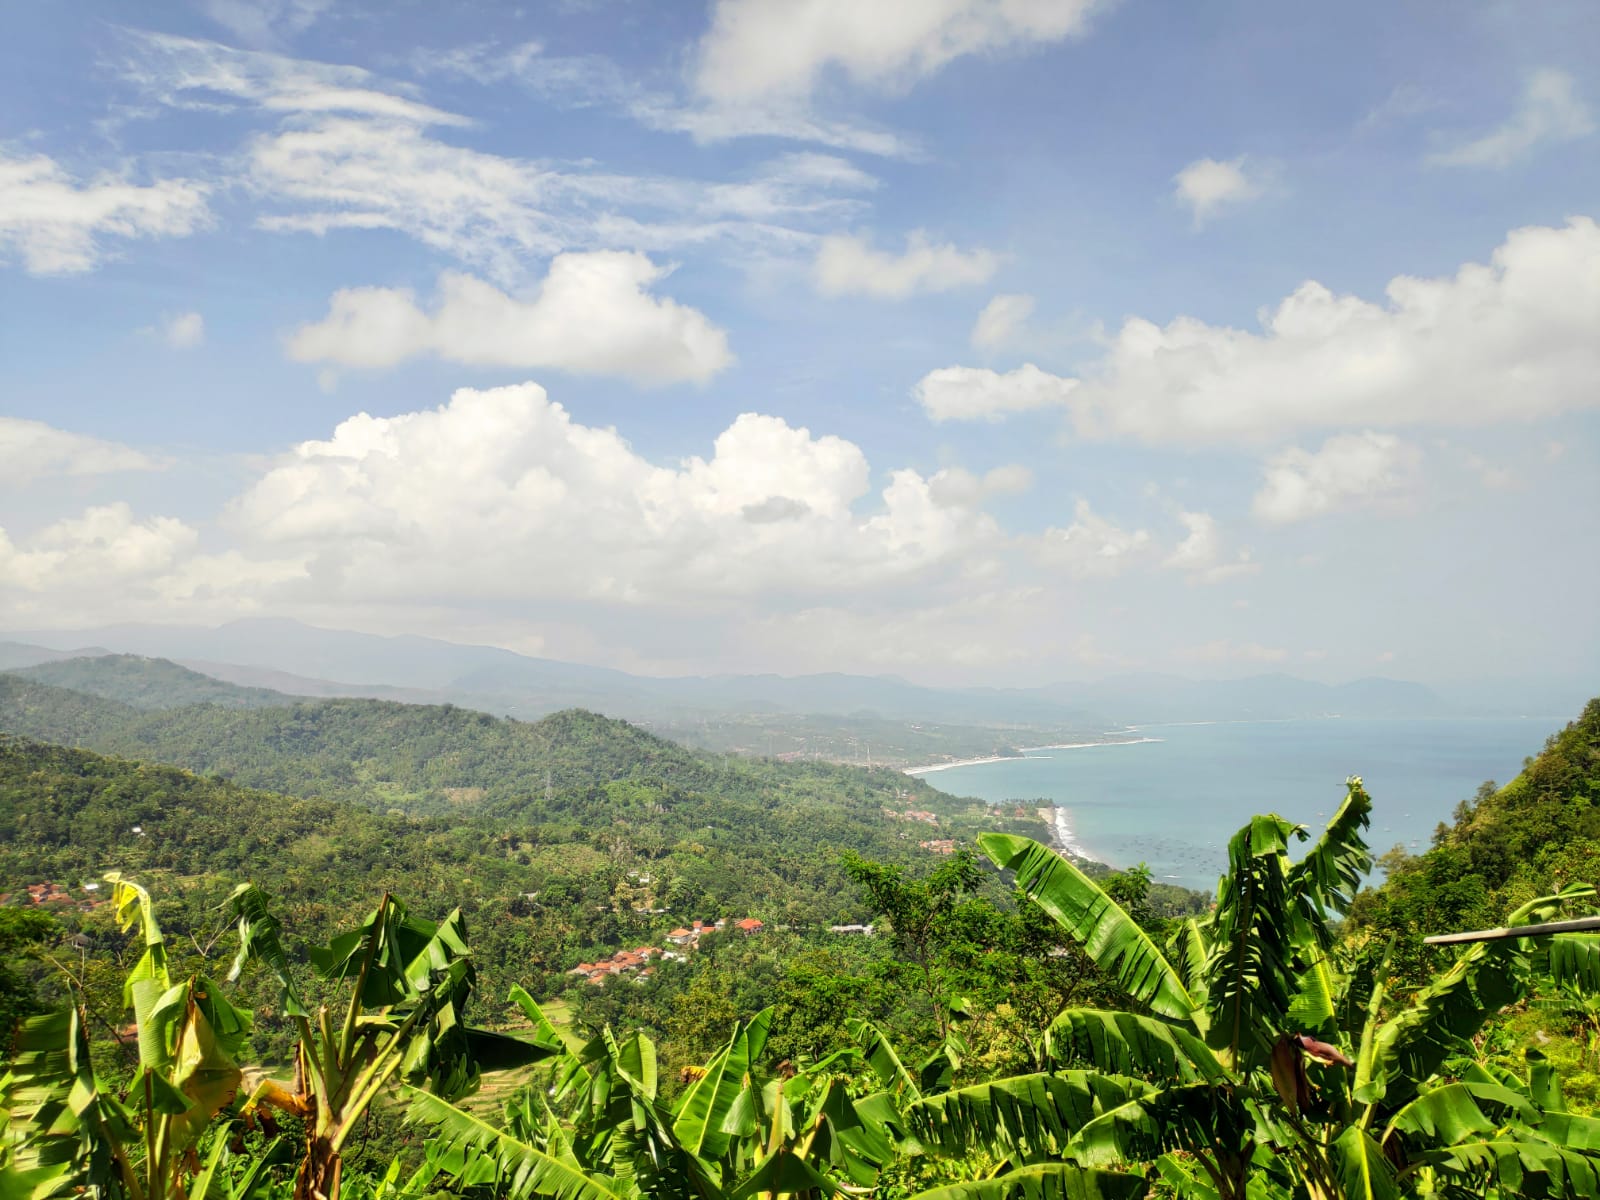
pixel 1578 925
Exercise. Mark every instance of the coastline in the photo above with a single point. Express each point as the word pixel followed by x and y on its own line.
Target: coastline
pixel 1022 752
pixel 1059 819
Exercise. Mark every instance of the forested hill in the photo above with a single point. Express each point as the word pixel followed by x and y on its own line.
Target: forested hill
pixel 436 758
pixel 148 683
pixel 1536 834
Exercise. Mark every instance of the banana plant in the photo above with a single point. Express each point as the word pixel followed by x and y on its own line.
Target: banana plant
pixel 408 984
pixel 1256 1059
pixel 603 1130
pixel 67 1133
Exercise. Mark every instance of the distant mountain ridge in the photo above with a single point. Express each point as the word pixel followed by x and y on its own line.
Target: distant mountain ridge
pixel 410 757
pixel 147 683
pixel 291 657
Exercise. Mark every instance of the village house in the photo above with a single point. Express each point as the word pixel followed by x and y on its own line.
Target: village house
pixel 623 962
pixel 50 892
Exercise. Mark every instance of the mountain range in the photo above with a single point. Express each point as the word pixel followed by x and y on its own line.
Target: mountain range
pixel 300 660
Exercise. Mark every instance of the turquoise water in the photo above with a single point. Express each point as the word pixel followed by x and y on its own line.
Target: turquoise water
pixel 1174 803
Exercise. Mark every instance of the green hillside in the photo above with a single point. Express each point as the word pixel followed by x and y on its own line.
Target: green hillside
pixel 1506 846
pixel 425 758
pixel 147 683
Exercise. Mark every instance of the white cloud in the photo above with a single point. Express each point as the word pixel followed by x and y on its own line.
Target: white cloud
pixel 760 48
pixel 1209 187
pixel 1349 471
pixel 57 225
pixel 501 494
pixel 593 314
pixel 959 487
pixel 32 450
pixel 264 22
pixel 849 265
pixel 979 394
pixel 351 150
pixel 1001 320
pixel 192 73
pixel 1199 555
pixel 1091 547
pixel 1550 112
pixel 591 80
pixel 103 547
pixel 184 331
pixel 497 212
pixel 1510 340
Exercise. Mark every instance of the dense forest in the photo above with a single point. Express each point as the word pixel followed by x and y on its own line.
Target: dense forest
pixel 861 738
pixel 934 987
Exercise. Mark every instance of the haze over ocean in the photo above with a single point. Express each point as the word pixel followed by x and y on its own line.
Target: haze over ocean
pixel 1174 803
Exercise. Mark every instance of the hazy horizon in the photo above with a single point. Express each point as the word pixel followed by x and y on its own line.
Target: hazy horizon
pixel 969 344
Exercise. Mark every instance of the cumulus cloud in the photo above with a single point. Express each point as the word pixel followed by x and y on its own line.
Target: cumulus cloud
pixel 57 225
pixel 593 314
pixel 979 394
pixel 105 546
pixel 32 450
pixel 1091 547
pixel 184 331
pixel 1209 187
pixel 1001 320
pixel 849 265
pixel 1200 554
pixel 1550 112
pixel 1349 471
pixel 502 493
pixel 1508 340
pixel 760 48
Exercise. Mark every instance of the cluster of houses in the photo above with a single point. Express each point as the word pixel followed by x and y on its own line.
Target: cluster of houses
pixel 53 893
pixel 939 845
pixel 623 962
pixel 690 937
pixel 638 962
pixel 911 814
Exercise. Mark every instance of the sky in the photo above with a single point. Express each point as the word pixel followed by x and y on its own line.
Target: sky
pixel 970 341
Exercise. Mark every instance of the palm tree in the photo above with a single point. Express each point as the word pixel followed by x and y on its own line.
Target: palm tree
pixel 1259 1059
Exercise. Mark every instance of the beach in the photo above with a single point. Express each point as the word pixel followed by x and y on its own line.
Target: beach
pixel 1022 752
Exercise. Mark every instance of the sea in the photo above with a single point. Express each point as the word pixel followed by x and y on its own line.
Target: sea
pixel 1171 796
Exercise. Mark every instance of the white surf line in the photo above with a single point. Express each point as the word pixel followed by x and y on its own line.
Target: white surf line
pixel 1028 752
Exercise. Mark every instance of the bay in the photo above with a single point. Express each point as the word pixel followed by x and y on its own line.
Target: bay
pixel 1172 802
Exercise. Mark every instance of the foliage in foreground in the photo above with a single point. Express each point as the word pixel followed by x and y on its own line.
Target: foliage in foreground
pixel 1252 1055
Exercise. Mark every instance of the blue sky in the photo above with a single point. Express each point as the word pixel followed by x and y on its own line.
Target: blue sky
pixel 968 341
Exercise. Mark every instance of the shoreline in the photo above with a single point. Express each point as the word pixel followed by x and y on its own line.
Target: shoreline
pixel 1022 752
pixel 1058 818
